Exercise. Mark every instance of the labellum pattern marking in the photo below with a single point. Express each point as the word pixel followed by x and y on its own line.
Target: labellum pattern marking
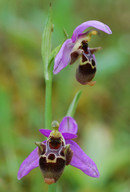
pixel 54 157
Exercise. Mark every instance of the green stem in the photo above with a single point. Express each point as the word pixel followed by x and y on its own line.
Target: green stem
pixel 48 103
pixel 52 188
pixel 48 74
pixel 48 115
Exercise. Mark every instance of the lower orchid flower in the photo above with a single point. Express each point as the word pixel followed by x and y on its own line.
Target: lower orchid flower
pixel 77 48
pixel 58 151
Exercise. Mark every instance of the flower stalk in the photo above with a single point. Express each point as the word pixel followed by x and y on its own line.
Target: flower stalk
pixel 52 188
pixel 48 103
pixel 46 52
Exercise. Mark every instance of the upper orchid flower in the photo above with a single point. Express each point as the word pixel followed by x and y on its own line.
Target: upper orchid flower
pixel 57 151
pixel 77 47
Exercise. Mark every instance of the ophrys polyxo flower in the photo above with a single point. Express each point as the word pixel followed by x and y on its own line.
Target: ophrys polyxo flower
pixel 77 47
pixel 57 151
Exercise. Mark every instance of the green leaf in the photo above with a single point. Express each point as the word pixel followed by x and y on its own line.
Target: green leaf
pixel 65 33
pixel 53 55
pixel 73 105
pixel 46 44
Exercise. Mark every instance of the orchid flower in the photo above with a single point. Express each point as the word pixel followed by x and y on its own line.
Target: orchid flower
pixel 77 48
pixel 57 151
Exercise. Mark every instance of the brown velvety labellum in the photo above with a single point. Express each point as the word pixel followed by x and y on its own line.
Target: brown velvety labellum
pixel 56 155
pixel 85 73
pixel 52 170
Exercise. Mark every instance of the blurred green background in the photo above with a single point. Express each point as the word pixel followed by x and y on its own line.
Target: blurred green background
pixel 103 111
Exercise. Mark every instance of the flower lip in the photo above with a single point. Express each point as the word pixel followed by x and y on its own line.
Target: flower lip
pixel 92 23
pixel 85 73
